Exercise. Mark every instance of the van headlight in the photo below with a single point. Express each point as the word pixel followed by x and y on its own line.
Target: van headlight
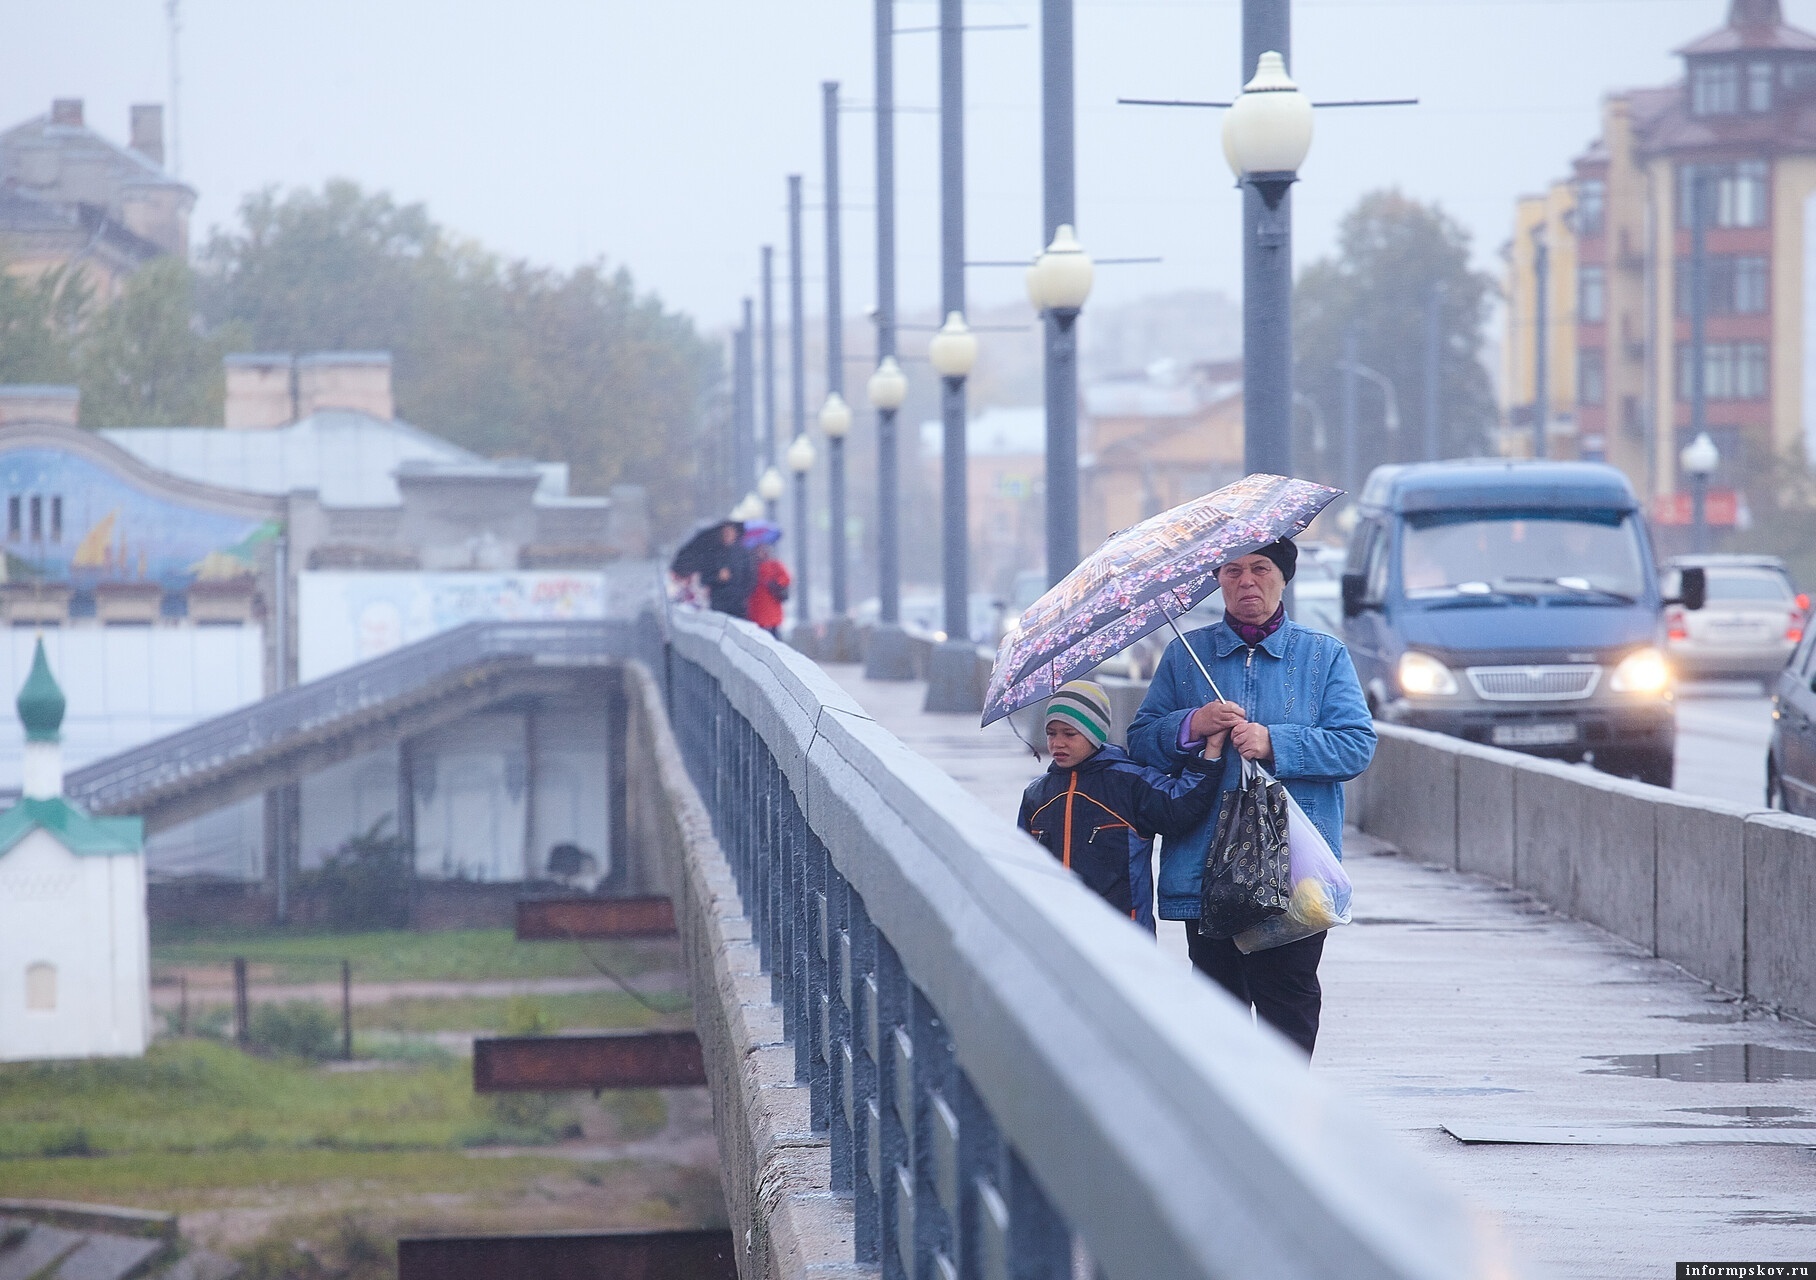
pixel 1423 676
pixel 1642 671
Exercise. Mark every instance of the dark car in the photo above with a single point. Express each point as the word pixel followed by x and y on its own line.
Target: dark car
pixel 1516 604
pixel 1791 755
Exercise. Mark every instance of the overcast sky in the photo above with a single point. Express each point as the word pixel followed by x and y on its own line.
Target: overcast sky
pixel 657 133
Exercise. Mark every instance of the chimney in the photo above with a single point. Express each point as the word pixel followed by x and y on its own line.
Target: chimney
pixel 66 111
pixel 148 131
pixel 261 391
pixel 359 381
pixel 25 404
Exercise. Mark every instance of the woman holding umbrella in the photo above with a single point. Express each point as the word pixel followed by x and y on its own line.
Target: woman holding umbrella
pixel 1291 702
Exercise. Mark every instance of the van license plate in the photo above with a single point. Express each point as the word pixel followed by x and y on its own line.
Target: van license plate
pixel 1534 735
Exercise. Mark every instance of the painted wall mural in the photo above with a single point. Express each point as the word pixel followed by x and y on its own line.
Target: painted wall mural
pixel 68 519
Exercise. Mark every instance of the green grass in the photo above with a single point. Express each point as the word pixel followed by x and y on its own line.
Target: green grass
pixel 455 955
pixel 166 1180
pixel 196 1096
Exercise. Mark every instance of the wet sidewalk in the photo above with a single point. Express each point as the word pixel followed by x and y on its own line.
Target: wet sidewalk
pixel 1617 1115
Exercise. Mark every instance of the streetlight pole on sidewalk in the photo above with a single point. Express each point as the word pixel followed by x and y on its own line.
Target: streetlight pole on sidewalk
pixel 768 431
pixel 797 364
pixel 800 461
pixel 1059 197
pixel 835 415
pixel 952 673
pixel 887 656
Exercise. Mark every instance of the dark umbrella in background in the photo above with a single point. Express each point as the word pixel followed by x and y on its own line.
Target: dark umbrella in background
pixel 1142 579
pixel 703 550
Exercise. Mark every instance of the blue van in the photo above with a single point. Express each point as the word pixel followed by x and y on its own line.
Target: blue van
pixel 1517 604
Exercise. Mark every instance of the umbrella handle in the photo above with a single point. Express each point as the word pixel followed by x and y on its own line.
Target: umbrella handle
pixel 1202 669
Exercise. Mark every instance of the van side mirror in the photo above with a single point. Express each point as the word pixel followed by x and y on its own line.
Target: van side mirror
pixel 1692 588
pixel 1354 586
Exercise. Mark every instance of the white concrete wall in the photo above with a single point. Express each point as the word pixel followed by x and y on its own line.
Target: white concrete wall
pixel 470 788
pixel 85 917
pixel 129 685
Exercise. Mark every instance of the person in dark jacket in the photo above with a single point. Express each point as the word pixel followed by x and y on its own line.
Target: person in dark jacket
pixel 728 571
pixel 1098 812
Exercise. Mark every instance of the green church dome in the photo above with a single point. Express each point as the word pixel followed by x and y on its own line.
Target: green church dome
pixel 41 701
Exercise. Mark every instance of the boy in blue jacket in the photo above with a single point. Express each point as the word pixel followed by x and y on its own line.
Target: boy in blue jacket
pixel 1098 811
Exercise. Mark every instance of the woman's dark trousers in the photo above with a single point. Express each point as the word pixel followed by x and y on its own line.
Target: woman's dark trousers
pixel 1281 982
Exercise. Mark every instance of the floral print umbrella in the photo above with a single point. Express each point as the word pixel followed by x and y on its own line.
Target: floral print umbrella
pixel 1134 582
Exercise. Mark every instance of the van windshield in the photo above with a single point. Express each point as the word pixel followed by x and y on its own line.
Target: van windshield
pixel 1562 553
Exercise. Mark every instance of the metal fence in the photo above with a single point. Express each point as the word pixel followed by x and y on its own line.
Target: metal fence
pixel 113 784
pixel 1011 1078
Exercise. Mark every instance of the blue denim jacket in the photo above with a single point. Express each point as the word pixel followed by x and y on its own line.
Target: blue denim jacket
pixel 1298 682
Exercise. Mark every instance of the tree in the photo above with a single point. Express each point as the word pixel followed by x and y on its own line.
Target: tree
pixel 1393 254
pixel 142 360
pixel 501 357
pixel 38 320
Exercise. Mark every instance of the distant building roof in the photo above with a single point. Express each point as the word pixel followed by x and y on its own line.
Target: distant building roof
pixel 1753 25
pixel 994 433
pixel 347 458
pixel 1164 391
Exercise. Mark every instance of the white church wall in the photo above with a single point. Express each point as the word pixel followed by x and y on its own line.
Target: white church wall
pixel 74 953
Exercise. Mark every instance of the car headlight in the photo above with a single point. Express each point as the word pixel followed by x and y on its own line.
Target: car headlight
pixel 1422 675
pixel 1642 671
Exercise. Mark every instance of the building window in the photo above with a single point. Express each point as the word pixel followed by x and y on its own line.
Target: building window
pixel 1736 193
pixel 1591 295
pixel 1633 418
pixel 37 518
pixel 1591 376
pixel 12 517
pixel 1714 89
pixel 1731 371
pixel 1759 86
pixel 56 517
pixel 41 987
pixel 1591 206
pixel 1732 285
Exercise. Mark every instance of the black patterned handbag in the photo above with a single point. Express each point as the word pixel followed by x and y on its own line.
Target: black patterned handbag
pixel 1248 873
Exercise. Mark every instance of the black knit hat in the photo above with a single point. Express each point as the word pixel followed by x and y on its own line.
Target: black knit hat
pixel 1284 554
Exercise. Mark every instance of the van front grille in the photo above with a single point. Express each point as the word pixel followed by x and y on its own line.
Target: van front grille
pixel 1534 684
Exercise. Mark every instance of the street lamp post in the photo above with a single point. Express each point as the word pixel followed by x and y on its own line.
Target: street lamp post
pixel 887 656
pixel 1434 334
pixel 800 461
pixel 1058 284
pixel 1058 198
pixel 952 674
pixel 768 433
pixel 1699 459
pixel 744 412
pixel 835 424
pixel 1266 136
pixel 1541 323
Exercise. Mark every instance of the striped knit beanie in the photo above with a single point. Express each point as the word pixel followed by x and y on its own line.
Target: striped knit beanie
pixel 1084 706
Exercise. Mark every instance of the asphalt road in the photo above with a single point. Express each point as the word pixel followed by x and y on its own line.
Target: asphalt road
pixel 1722 732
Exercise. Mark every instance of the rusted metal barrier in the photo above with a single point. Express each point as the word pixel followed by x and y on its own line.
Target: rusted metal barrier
pixel 620 1060
pixel 645 1255
pixel 588 919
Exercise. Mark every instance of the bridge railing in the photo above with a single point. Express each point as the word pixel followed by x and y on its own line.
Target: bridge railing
pixel 1011 1078
pixel 418 668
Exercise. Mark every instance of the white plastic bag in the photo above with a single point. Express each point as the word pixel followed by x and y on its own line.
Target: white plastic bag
pixel 1321 889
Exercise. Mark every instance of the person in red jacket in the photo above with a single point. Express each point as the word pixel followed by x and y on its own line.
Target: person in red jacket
pixel 765 604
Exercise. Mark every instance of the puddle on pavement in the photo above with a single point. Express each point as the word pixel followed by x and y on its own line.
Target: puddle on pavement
pixel 1772 1218
pixel 1772 1117
pixel 1706 1019
pixel 1713 1064
pixel 1389 920
pixel 1443 1091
